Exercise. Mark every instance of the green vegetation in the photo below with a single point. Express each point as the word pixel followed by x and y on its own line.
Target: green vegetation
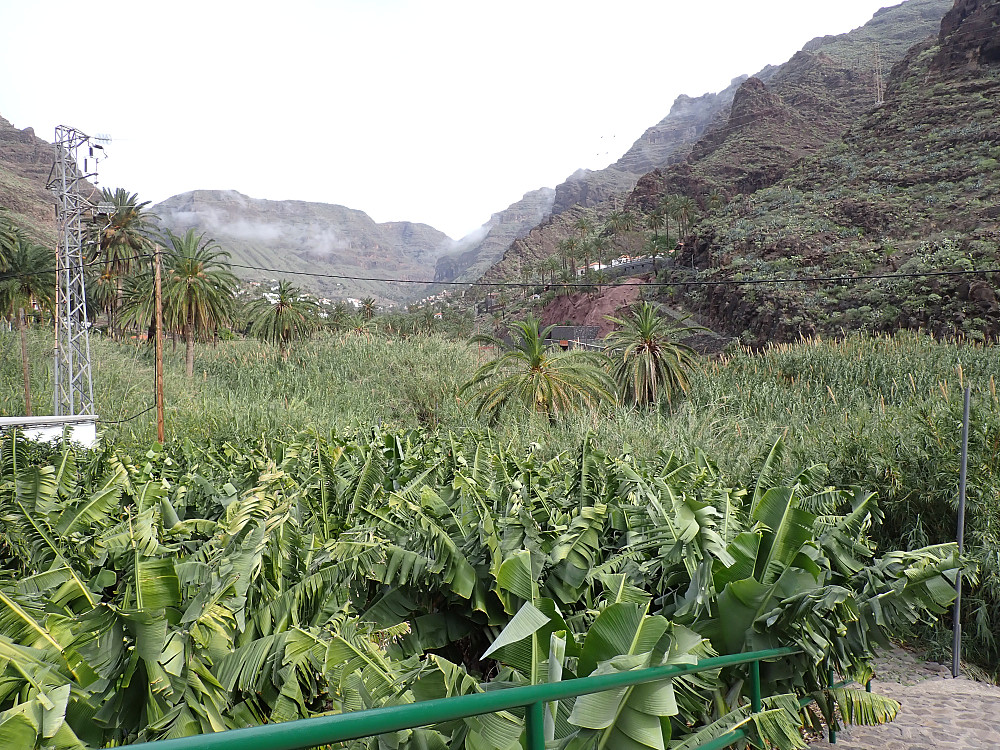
pixel 333 526
pixel 196 589
pixel 121 248
pixel 280 541
pixel 650 363
pixel 537 377
pixel 881 413
pixel 197 289
pixel 291 316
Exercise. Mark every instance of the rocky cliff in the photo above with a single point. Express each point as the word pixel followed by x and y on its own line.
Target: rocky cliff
pixel 474 254
pixel 909 188
pixel 317 238
pixel 750 135
pixel 667 142
pixel 25 161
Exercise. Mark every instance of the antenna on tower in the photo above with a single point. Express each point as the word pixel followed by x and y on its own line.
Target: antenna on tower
pixel 879 82
pixel 74 385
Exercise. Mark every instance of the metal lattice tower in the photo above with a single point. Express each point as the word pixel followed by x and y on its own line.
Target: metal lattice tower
pixel 74 386
pixel 879 81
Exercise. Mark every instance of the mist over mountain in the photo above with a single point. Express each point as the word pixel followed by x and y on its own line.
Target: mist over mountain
pixel 847 212
pixel 749 136
pixel 313 238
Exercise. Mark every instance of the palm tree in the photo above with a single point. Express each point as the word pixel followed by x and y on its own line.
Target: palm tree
pixel 119 244
pixel 339 314
pixel 600 246
pixel 687 211
pixel 525 271
pixel 137 306
pixel 29 274
pixel 584 225
pixel 566 278
pixel 568 250
pixel 715 199
pixel 657 245
pixel 368 308
pixel 197 288
pixel 29 278
pixel 649 362
pixel 655 221
pixel 620 223
pixel 547 381
pixel 289 317
pixel 666 208
pixel 8 235
pixel 550 264
pixel 358 325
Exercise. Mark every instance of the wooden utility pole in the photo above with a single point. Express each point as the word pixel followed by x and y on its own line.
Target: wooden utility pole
pixel 158 287
pixel 24 362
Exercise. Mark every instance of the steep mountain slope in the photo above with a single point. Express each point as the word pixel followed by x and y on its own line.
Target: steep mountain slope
pixel 311 237
pixel 911 188
pixel 25 161
pixel 665 143
pixel 475 253
pixel 766 124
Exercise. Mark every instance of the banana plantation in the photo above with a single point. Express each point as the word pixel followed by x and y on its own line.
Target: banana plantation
pixel 206 587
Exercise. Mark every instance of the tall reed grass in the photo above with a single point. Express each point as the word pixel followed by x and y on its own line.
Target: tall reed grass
pixel 884 413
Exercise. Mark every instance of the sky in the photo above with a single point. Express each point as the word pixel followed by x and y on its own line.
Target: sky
pixel 441 111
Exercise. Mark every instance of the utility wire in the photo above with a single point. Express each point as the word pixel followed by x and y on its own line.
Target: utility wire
pixel 88 264
pixel 127 419
pixel 562 285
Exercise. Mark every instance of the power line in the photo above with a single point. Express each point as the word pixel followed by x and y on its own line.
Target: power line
pixel 127 419
pixel 563 285
pixel 75 267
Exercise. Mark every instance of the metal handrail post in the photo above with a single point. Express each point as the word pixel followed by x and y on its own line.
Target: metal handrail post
pixel 534 726
pixel 833 719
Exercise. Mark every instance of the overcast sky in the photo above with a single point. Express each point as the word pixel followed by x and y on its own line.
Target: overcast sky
pixel 438 112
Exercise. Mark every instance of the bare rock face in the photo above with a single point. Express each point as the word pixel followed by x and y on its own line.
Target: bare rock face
pixel 969 37
pixel 587 188
pixel 474 254
pixel 667 142
pixel 317 238
pixel 751 134
pixel 25 161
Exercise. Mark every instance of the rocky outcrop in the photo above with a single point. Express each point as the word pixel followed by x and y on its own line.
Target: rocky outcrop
pixel 670 139
pixel 25 161
pixel 667 142
pixel 908 188
pixel 969 36
pixel 474 254
pixel 751 134
pixel 318 238
pixel 587 188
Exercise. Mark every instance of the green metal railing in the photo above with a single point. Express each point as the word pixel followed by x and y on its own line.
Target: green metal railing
pixel 324 730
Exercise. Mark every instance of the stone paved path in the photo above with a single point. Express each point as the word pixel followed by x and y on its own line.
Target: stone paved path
pixel 937 713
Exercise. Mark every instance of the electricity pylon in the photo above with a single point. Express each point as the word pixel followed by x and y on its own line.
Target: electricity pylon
pixel 74 385
pixel 879 81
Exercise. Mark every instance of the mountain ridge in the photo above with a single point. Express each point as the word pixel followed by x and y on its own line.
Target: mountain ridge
pixel 822 89
pixel 313 239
